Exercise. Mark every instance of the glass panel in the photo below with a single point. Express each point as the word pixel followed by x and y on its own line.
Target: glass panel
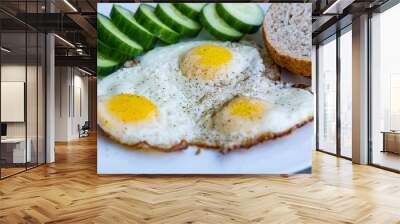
pixel 32 89
pixel 386 89
pixel 31 98
pixel 346 94
pixel 327 96
pixel 13 87
pixel 23 87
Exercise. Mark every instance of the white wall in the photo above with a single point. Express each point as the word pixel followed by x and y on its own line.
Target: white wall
pixel 61 103
pixel 80 109
pixel 71 102
pixel 15 72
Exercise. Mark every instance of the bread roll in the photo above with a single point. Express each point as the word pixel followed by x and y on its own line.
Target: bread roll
pixel 287 31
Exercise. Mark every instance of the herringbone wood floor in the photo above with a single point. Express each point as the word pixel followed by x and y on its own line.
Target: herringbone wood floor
pixel 70 191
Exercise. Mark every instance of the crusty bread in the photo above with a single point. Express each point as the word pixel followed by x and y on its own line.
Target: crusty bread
pixel 287 35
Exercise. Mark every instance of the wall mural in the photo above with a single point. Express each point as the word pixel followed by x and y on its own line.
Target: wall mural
pixel 204 88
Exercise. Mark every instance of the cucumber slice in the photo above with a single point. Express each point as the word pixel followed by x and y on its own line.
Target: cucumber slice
pixel 191 10
pixel 105 65
pixel 173 18
pixel 146 17
pixel 216 26
pixel 125 22
pixel 112 36
pixel 111 52
pixel 244 17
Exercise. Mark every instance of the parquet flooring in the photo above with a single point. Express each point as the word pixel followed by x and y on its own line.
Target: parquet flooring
pixel 70 191
pixel 10 171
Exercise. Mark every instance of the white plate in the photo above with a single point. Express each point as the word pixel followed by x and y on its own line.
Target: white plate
pixel 289 154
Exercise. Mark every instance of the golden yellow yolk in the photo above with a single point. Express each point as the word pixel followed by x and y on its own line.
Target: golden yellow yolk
pixel 245 108
pixel 242 115
pixel 206 62
pixel 130 108
pixel 212 55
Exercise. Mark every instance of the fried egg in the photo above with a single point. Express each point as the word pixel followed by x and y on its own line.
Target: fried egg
pixel 257 111
pixel 243 115
pixel 206 63
pixel 135 108
pixel 210 62
pixel 206 93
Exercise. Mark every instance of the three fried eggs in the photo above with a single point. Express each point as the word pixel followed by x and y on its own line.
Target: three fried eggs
pixel 207 93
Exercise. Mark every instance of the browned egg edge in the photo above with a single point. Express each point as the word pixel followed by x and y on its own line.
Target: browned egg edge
pixel 143 145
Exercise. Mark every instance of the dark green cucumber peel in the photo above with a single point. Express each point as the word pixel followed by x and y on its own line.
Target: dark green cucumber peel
pixel 111 52
pixel 112 36
pixel 146 17
pixel 173 18
pixel 125 22
pixel 191 10
pixel 235 22
pixel 105 65
pixel 210 21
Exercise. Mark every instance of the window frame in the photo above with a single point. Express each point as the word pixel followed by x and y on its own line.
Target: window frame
pixel 381 9
pixel 334 37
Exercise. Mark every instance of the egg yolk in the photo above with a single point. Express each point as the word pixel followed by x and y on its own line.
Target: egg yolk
pixel 248 109
pixel 206 62
pixel 211 55
pixel 130 108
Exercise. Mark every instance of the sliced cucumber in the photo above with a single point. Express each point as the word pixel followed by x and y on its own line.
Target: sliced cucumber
pixel 216 26
pixel 191 10
pixel 244 17
pixel 111 52
pixel 146 17
pixel 112 36
pixel 125 22
pixel 173 18
pixel 105 65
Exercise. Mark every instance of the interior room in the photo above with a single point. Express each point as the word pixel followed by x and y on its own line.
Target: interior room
pixel 28 56
pixel 22 102
pixel 334 106
pixel 49 128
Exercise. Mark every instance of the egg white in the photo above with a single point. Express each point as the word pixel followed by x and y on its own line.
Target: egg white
pixel 288 107
pixel 173 124
pixel 164 61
